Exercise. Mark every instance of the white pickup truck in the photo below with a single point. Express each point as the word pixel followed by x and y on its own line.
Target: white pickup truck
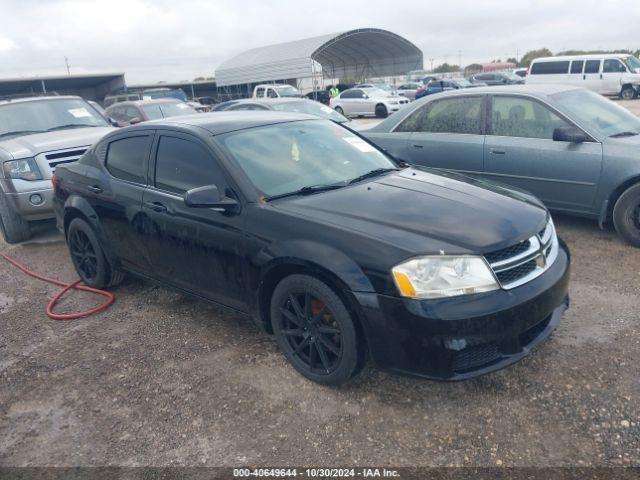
pixel 275 90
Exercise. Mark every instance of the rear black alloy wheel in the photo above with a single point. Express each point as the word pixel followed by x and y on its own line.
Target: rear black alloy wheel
pixel 381 111
pixel 339 110
pixel 314 330
pixel 84 256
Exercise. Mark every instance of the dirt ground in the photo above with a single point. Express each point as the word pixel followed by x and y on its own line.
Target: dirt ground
pixel 160 379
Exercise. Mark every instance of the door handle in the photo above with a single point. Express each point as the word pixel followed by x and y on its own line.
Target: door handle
pixel 497 152
pixel 94 189
pixel 584 77
pixel 156 206
pixel 416 145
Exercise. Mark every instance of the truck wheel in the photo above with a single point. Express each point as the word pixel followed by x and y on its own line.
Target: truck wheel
pixel 626 215
pixel 628 93
pixel 14 228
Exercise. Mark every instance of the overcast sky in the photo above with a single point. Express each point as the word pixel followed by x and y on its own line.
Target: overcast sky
pixel 172 40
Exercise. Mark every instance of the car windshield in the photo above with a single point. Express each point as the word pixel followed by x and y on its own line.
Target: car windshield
pixel 312 108
pixel 176 109
pixel 18 118
pixel 633 63
pixel 462 82
pixel 597 113
pixel 288 91
pixel 286 157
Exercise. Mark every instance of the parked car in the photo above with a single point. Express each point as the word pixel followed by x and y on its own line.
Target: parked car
pixel 607 74
pixel 297 105
pixel 437 86
pixel 409 90
pixel 224 105
pixel 322 96
pixel 120 97
pixel 37 134
pixel 275 91
pixel 572 148
pixel 130 113
pixel 521 72
pixel 367 101
pixel 496 78
pixel 390 89
pixel 321 238
pixel 164 92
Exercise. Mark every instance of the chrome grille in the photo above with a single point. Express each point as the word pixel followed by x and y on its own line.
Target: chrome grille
pixel 524 261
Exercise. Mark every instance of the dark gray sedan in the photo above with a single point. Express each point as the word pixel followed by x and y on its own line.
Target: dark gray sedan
pixel 574 149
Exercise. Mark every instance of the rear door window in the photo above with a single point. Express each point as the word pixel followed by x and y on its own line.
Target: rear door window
pixel 183 164
pixel 453 115
pixel 576 66
pixel 127 158
pixel 550 68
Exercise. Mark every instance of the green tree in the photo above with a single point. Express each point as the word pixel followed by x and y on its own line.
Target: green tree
pixel 512 60
pixel 533 54
pixel 445 67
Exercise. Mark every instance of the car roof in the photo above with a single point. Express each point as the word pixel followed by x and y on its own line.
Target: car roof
pixel 36 98
pixel 539 90
pixel 271 101
pixel 578 57
pixel 141 103
pixel 217 123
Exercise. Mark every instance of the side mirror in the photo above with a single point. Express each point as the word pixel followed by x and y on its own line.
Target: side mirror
pixel 569 134
pixel 134 120
pixel 209 197
pixel 365 96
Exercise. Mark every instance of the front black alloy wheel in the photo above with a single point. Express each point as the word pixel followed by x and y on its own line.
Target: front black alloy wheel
pixel 314 330
pixel 626 215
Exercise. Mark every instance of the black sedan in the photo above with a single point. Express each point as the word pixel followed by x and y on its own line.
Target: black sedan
pixel 323 239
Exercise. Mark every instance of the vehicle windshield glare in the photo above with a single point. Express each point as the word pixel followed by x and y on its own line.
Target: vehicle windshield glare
pixel 286 157
pixel 595 112
pixel 633 63
pixel 288 91
pixel 43 115
pixel 312 108
pixel 176 109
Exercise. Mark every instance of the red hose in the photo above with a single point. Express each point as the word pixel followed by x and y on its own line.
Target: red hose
pixel 67 286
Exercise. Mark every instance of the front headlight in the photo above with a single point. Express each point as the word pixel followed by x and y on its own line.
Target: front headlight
pixel 443 276
pixel 25 169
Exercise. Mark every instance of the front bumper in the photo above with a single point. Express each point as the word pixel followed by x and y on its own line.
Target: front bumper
pixel 20 201
pixel 461 338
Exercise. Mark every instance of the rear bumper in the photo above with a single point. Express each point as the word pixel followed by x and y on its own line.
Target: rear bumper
pixel 461 338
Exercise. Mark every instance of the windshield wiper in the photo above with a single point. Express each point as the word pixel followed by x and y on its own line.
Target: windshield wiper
pixel 305 191
pixel 70 125
pixel 21 132
pixel 372 173
pixel 623 134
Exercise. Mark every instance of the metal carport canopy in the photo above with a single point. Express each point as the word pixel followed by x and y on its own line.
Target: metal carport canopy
pixel 364 52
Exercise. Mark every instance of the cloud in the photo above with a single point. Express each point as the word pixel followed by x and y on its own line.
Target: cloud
pixel 169 40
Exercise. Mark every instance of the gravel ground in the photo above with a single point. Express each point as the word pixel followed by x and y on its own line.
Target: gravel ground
pixel 160 379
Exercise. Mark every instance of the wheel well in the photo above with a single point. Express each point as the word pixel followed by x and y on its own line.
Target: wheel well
pixel 69 214
pixel 615 195
pixel 381 105
pixel 276 274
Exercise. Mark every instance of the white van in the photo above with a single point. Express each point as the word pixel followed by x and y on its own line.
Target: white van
pixel 607 74
pixel 275 90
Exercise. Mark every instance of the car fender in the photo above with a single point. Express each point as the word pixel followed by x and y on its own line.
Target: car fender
pixel 81 205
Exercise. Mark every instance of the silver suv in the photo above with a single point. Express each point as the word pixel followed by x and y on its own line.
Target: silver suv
pixel 36 135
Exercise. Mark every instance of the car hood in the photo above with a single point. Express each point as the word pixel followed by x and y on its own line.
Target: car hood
pixel 427 212
pixel 31 145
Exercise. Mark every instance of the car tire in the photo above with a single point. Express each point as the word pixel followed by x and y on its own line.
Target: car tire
pixel 381 111
pixel 315 330
pixel 14 228
pixel 339 110
pixel 628 93
pixel 626 215
pixel 88 257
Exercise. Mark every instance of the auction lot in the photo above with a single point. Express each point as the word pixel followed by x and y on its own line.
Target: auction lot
pixel 160 379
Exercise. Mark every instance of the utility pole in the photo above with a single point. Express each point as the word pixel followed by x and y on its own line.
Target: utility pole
pixel 66 61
